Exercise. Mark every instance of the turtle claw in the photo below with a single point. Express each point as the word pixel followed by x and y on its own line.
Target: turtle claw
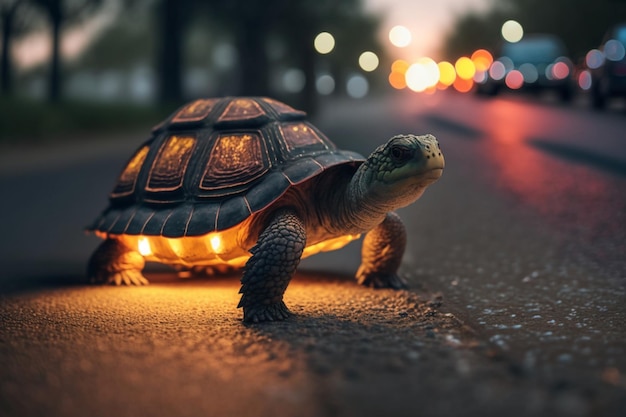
pixel 266 312
pixel 381 280
pixel 127 277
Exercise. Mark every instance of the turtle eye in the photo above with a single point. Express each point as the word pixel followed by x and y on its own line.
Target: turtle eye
pixel 401 153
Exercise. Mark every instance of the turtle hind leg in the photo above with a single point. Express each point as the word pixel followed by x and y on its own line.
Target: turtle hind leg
pixel 116 264
pixel 381 254
pixel 273 263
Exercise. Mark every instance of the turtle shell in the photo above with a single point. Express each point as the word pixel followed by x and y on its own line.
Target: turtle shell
pixel 212 164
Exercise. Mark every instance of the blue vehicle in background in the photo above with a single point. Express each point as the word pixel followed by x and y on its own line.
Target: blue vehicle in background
pixel 538 62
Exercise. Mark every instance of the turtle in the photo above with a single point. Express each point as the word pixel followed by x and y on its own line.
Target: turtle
pixel 249 183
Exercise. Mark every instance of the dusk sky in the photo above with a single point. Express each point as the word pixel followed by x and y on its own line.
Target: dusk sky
pixel 427 20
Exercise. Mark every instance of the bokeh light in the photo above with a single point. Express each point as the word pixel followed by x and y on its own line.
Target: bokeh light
pixel 514 80
pixel 357 86
pixel 400 36
pixel 293 80
pixel 462 85
pixel 397 80
pixel 482 59
pixel 614 50
pixel 480 77
pixel 497 70
pixel 512 31
pixel 447 74
pixel 558 70
pixel 325 84
pixel 398 70
pixel 399 65
pixel 422 75
pixel 529 72
pixel 324 43
pixel 594 59
pixel 585 80
pixel 368 61
pixel 465 68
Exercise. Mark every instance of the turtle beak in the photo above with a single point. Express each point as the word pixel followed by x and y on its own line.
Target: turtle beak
pixel 429 154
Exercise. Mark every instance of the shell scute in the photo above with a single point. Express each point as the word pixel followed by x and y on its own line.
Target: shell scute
pixel 235 160
pixel 212 164
pixel 194 112
pixel 169 166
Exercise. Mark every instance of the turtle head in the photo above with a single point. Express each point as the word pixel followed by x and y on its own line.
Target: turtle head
pixel 397 173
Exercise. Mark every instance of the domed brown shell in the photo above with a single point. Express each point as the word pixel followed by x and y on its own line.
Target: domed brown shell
pixel 212 164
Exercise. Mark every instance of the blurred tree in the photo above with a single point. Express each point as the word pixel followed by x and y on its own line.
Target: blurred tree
pixel 579 23
pixel 61 13
pixel 252 24
pixel 172 16
pixel 249 23
pixel 354 31
pixel 128 41
pixel 8 14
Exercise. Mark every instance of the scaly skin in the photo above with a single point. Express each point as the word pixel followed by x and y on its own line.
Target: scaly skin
pixel 381 255
pixel 395 175
pixel 267 273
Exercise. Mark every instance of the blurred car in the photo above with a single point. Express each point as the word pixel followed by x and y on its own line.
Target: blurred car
pixel 536 63
pixel 607 66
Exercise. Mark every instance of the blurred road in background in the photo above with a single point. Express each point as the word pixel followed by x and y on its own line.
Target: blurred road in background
pixel 515 260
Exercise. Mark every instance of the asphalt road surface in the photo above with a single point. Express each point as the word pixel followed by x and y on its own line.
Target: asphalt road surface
pixel 516 262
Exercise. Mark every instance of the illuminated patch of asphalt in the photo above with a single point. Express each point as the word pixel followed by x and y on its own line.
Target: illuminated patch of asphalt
pixel 549 146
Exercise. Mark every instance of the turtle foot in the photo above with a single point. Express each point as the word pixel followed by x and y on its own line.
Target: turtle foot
pixel 381 280
pixel 126 277
pixel 266 312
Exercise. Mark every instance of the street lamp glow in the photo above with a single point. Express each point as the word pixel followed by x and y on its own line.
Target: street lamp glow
pixel 324 43
pixel 512 31
pixel 368 61
pixel 422 75
pixel 400 36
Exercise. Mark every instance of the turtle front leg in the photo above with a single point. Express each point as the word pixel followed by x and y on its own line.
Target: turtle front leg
pixel 381 254
pixel 267 273
pixel 115 263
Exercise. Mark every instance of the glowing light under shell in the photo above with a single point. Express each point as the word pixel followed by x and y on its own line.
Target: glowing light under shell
pixel 216 248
